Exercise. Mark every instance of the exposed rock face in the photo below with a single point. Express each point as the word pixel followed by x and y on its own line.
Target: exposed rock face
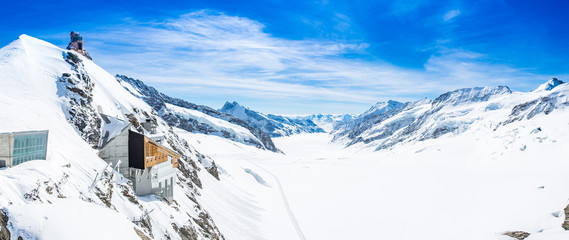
pixel 530 109
pixel 4 233
pixel 520 235
pixel 158 100
pixel 565 224
pixel 213 170
pixel 185 232
pixel 77 88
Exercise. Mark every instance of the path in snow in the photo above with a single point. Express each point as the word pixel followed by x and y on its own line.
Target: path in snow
pixel 285 201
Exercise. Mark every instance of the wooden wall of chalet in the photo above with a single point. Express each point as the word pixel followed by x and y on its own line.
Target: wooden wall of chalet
pixel 144 153
pixel 155 154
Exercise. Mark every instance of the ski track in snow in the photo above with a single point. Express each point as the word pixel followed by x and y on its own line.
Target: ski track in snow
pixel 285 201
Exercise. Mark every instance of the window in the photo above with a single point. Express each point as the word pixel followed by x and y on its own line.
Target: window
pixel 29 146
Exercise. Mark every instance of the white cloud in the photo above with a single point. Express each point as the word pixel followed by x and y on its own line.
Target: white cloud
pixel 212 55
pixel 451 14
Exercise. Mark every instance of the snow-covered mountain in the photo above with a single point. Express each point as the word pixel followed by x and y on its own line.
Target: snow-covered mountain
pixel 274 125
pixel 198 118
pixel 377 112
pixel 552 83
pixel 388 124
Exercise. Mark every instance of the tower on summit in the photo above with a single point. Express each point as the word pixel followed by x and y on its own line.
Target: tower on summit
pixel 76 44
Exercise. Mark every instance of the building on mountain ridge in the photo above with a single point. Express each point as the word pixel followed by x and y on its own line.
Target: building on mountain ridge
pixel 20 147
pixel 150 166
pixel 76 44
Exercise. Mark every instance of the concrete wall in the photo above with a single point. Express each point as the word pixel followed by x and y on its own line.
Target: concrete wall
pixel 142 181
pixel 158 180
pixel 117 149
pixel 6 149
pixel 163 179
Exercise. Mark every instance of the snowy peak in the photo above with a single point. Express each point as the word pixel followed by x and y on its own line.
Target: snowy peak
pixel 547 86
pixel 470 95
pixel 231 105
pixel 383 107
pixel 239 111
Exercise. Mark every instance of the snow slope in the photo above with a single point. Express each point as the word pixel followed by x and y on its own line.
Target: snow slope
pixel 477 185
pixel 249 203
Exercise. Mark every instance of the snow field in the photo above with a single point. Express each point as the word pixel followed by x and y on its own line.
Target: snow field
pixel 476 185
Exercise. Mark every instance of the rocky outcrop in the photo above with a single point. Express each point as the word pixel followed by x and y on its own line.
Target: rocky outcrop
pixel 77 88
pixel 213 170
pixel 530 109
pixel 565 224
pixel 520 235
pixel 4 233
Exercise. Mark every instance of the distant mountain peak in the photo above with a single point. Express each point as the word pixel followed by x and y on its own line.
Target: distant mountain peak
pixel 382 107
pixel 550 84
pixel 467 95
pixel 231 105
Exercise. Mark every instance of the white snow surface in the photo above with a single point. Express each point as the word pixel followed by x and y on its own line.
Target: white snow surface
pixel 69 219
pixel 474 186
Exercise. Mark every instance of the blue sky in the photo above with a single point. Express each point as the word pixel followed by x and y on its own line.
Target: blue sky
pixel 300 57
